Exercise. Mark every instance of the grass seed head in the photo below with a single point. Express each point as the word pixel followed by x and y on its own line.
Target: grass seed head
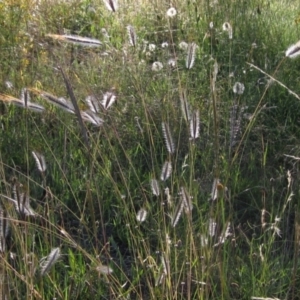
pixel 166 171
pixel 157 66
pixel 40 161
pixel 141 215
pixel 47 262
pixel 111 5
pixel 168 138
pixel 191 55
pixel 171 12
pixel 132 35
pixel 227 27
pixel 106 270
pixel 155 187
pixel 293 51
pixel 238 88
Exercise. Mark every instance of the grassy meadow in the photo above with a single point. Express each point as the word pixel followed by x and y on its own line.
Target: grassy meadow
pixel 149 149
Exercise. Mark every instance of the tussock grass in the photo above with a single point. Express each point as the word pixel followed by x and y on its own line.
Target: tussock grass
pixel 149 151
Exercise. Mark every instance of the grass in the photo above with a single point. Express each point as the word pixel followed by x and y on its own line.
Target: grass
pixel 223 225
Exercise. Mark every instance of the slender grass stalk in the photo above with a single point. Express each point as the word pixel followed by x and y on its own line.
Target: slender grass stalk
pixel 216 126
pixel 76 108
pixel 197 259
pixel 258 107
pixel 186 199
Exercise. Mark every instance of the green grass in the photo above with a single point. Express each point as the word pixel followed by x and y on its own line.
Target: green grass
pixel 87 200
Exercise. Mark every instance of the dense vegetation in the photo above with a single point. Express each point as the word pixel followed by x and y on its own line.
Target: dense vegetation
pixel 149 150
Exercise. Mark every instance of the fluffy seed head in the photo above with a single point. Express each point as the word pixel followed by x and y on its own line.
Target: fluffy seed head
pixel 164 45
pixel 238 88
pixel 183 45
pixel 152 47
pixel 171 12
pixel 156 66
pixel 172 63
